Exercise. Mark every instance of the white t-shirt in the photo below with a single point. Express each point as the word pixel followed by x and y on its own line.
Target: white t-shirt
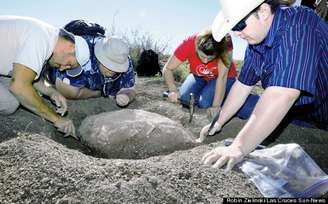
pixel 26 41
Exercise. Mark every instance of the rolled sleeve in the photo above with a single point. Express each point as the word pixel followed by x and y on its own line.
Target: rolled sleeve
pixel 248 74
pixel 183 50
pixel 32 53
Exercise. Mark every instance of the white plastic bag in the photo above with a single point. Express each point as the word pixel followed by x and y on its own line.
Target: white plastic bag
pixel 285 170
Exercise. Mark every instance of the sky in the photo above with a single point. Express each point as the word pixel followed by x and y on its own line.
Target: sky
pixel 166 20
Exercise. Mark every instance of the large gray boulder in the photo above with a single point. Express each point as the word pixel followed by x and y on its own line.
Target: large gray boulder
pixel 174 111
pixel 134 134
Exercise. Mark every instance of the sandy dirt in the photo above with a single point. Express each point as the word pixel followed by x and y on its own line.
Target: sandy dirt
pixel 37 164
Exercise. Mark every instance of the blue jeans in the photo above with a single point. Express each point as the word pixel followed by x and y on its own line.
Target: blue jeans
pixel 204 94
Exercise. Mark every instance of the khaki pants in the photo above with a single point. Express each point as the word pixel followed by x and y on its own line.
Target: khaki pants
pixel 8 102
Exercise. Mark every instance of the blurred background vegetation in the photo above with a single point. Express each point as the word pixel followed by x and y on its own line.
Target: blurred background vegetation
pixel 139 40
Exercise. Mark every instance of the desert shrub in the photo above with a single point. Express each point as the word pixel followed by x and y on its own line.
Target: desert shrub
pixel 181 72
pixel 139 41
pixel 239 64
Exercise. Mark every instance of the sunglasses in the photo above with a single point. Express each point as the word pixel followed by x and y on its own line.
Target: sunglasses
pixel 241 25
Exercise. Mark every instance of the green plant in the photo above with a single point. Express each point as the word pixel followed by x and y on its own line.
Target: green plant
pixel 139 40
pixel 239 64
pixel 181 72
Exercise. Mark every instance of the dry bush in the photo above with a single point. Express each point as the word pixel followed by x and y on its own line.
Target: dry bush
pixel 139 40
pixel 181 72
pixel 239 64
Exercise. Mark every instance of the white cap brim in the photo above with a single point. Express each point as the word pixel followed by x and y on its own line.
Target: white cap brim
pixel 82 54
pixel 74 72
pixel 82 51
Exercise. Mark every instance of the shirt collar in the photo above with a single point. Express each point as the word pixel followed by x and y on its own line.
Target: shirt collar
pixel 269 40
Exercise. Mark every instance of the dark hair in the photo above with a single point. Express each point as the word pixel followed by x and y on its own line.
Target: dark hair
pixel 209 46
pixel 274 4
pixel 47 71
pixel 48 74
pixel 66 35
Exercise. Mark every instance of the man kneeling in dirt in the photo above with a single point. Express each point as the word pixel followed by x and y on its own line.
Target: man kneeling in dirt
pixel 108 73
pixel 27 44
pixel 288 53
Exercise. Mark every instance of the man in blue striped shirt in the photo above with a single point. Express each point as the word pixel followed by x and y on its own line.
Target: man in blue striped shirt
pixel 288 53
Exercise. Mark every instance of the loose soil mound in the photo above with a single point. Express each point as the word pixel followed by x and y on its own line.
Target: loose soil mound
pixel 37 164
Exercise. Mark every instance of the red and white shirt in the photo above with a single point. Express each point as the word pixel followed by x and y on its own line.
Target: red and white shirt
pixel 187 51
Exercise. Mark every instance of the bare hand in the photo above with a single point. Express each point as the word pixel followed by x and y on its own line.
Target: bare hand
pixel 60 101
pixel 173 97
pixel 204 132
pixel 122 99
pixel 220 156
pixel 66 126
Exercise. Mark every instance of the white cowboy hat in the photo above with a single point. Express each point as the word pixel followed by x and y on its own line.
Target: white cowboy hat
pixel 232 11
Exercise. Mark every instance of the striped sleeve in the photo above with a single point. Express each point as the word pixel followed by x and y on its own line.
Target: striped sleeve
pixel 248 75
pixel 297 67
